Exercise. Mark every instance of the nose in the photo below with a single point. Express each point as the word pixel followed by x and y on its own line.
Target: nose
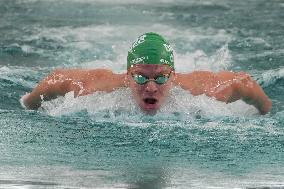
pixel 151 87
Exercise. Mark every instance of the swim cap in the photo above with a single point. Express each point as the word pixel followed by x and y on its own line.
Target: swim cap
pixel 150 48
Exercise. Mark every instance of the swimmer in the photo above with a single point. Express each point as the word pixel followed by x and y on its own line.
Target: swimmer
pixel 150 76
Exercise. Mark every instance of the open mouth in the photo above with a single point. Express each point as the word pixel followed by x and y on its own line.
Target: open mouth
pixel 150 101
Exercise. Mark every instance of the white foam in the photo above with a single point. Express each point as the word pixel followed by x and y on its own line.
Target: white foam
pixel 120 106
pixel 95 104
pixel 22 99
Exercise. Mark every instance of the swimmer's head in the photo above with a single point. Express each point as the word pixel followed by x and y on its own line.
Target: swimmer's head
pixel 150 71
pixel 150 48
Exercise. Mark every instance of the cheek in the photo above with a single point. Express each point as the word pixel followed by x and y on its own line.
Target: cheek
pixel 136 89
pixel 164 90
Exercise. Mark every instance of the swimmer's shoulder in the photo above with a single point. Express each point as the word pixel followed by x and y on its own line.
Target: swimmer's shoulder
pixel 197 82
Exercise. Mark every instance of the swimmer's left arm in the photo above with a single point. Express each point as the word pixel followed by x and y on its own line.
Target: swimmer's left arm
pixel 226 86
pixel 251 92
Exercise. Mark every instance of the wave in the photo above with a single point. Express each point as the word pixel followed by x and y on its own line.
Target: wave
pixel 198 60
pixel 75 46
pixel 21 76
pixel 16 49
pixel 270 77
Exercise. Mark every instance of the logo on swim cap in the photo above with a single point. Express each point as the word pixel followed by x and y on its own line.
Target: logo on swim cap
pixel 138 41
pixel 150 48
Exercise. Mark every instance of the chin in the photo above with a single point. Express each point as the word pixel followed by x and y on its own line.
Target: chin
pixel 150 109
pixel 150 112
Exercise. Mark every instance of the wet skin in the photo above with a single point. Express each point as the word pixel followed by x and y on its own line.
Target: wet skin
pixel 150 96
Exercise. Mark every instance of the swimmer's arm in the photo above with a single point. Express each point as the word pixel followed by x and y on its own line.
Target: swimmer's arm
pixel 82 82
pixel 55 84
pixel 226 86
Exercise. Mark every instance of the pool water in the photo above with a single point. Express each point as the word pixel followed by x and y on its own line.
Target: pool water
pixel 103 140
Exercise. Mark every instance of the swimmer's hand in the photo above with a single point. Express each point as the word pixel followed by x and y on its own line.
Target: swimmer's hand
pixel 226 87
pixel 82 82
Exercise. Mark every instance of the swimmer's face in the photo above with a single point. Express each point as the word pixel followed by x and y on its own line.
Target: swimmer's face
pixel 150 95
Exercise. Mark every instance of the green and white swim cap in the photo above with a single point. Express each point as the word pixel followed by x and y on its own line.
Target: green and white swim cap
pixel 150 48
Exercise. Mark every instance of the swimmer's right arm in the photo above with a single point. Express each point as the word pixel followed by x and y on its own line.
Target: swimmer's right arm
pixel 82 82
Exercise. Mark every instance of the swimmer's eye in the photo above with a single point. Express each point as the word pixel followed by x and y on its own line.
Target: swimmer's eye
pixel 140 79
pixel 161 79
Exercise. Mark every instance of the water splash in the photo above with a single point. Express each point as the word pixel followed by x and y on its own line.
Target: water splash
pixel 198 60
pixel 270 77
pixel 119 106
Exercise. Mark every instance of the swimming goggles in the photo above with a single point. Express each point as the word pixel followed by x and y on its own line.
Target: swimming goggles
pixel 160 79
